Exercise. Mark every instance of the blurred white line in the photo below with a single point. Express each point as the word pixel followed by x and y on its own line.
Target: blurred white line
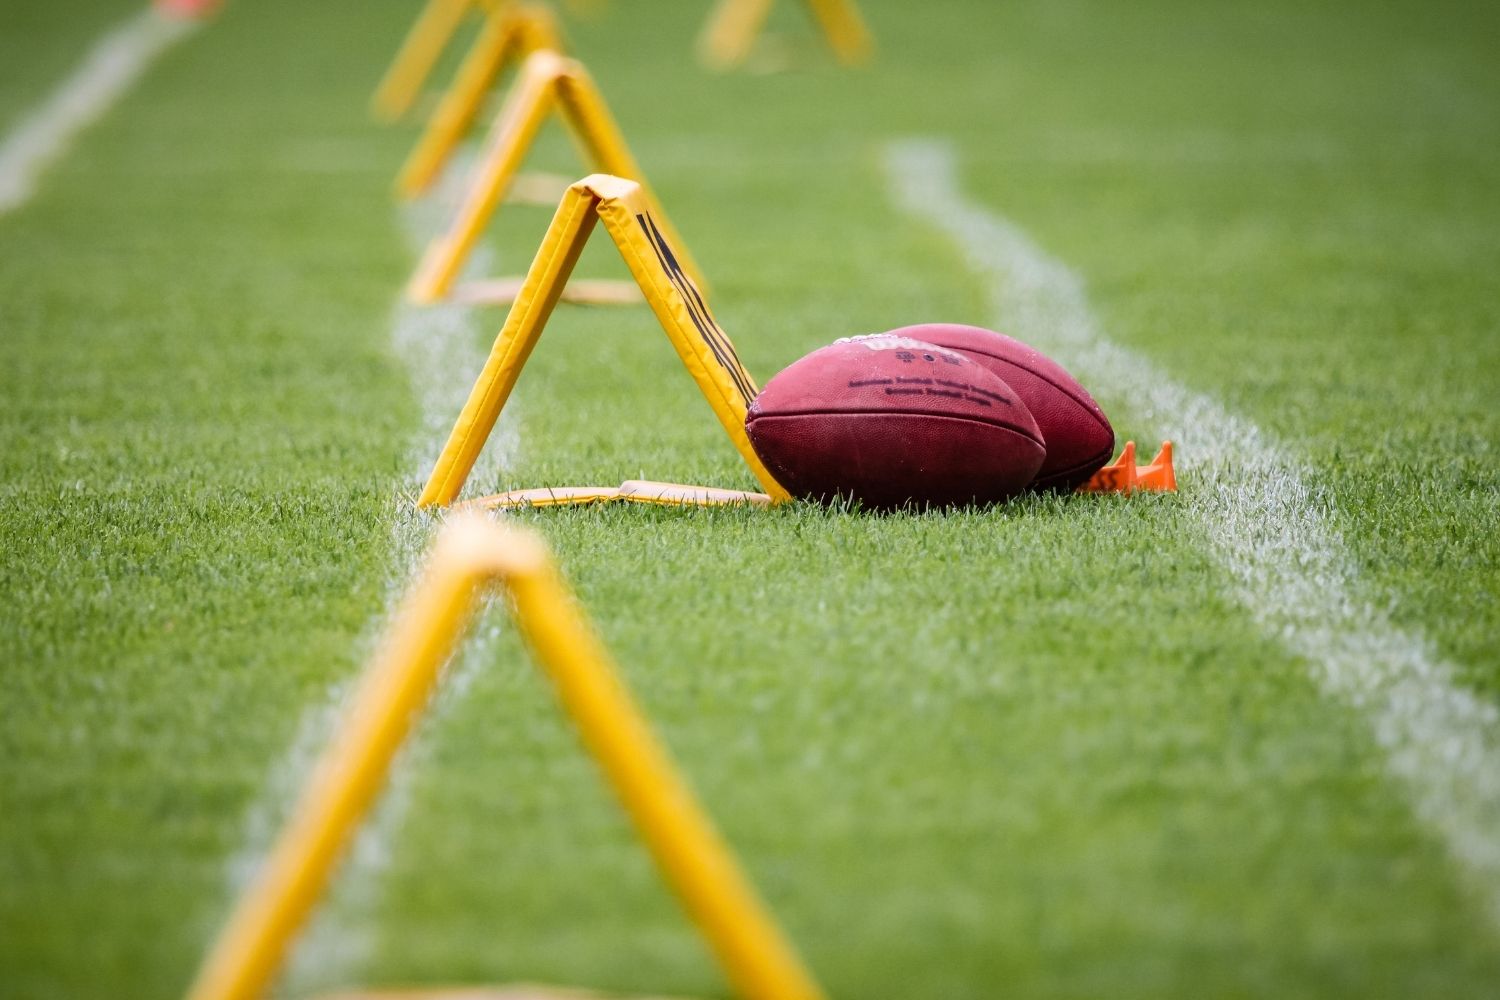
pixel 116 61
pixel 443 351
pixel 1254 508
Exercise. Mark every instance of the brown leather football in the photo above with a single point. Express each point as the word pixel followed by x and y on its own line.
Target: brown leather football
pixel 892 421
pixel 1078 435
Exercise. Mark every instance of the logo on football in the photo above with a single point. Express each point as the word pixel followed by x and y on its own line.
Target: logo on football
pixel 1079 437
pixel 894 421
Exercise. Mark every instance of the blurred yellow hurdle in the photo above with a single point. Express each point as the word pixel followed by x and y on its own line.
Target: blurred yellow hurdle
pixel 734 25
pixel 640 232
pixel 547 84
pixel 471 554
pixel 419 53
pixel 510 33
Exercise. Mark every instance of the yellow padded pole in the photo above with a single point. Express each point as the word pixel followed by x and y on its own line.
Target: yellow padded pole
pixel 515 129
pixel 550 269
pixel 547 82
pixel 759 961
pixel 845 29
pixel 510 32
pixel 251 948
pixel 645 241
pixel 418 54
pixel 730 32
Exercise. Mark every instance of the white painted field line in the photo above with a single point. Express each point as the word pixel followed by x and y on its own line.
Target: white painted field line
pixel 1252 504
pixel 115 62
pixel 441 350
pixel 442 353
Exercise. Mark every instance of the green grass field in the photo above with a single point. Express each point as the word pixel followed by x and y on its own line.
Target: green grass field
pixel 1047 750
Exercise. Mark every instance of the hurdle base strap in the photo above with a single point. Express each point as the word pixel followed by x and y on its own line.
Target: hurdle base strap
pixel 583 292
pixel 517 991
pixel 642 491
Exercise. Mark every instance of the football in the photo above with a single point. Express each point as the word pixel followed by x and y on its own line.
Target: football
pixel 892 421
pixel 1079 437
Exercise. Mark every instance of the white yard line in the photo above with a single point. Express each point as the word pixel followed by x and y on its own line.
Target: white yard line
pixel 442 349
pixel 116 61
pixel 1252 503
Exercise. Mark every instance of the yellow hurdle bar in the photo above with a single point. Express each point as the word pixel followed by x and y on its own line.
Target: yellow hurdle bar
pixel 470 554
pixel 547 82
pixel 640 233
pixel 510 32
pixel 730 32
pixel 845 29
pixel 417 56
